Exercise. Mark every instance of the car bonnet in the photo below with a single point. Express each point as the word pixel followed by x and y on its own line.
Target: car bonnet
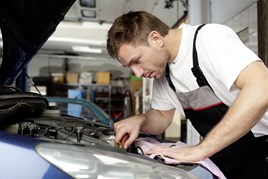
pixel 25 26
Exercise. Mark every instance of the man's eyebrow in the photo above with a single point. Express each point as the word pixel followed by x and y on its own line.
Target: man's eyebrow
pixel 130 62
pixel 121 61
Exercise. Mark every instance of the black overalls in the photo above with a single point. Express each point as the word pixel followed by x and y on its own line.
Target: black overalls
pixel 242 159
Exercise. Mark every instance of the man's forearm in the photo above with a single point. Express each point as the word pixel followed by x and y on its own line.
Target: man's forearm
pixel 244 113
pixel 156 122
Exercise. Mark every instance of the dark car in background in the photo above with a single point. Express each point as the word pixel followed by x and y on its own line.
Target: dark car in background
pixel 36 143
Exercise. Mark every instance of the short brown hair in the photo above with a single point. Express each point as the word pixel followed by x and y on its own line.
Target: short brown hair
pixel 133 28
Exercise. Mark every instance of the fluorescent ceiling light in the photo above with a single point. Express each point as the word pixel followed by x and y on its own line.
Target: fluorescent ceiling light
pixel 88 3
pixel 95 25
pixel 88 13
pixel 86 49
pixel 76 40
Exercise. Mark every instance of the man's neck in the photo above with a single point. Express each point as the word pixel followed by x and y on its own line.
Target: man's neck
pixel 173 41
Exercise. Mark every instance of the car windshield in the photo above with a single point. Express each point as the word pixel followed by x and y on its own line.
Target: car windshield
pixel 76 110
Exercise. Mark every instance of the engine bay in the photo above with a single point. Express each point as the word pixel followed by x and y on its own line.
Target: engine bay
pixel 63 128
pixel 54 127
pixel 36 119
pixel 29 114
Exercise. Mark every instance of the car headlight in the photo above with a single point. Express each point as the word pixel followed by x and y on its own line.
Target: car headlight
pixel 92 162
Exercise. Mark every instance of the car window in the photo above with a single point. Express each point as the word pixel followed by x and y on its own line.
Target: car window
pixel 77 110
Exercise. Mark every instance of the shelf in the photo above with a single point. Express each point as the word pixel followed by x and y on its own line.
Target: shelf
pixel 105 96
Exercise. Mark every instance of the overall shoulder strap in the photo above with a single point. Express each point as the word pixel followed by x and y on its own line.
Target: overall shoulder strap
pixel 197 72
pixel 169 79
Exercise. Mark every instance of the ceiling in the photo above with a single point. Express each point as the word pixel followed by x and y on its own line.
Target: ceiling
pixel 83 31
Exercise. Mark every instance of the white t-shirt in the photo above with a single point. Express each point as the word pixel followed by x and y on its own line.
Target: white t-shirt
pixel 221 56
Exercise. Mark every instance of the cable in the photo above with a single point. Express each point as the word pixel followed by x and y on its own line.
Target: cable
pixel 32 83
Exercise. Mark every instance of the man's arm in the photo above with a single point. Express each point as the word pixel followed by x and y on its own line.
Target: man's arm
pixel 152 122
pixel 157 121
pixel 243 114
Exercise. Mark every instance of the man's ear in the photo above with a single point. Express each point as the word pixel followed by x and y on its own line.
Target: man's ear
pixel 155 39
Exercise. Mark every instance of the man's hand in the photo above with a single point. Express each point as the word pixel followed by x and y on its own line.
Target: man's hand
pixel 152 122
pixel 127 130
pixel 191 154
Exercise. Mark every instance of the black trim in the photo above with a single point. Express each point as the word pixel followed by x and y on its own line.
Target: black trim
pixel 197 72
pixel 169 79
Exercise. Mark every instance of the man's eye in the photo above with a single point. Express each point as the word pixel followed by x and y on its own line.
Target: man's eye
pixel 137 61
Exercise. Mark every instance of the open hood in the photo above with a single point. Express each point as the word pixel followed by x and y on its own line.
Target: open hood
pixel 26 25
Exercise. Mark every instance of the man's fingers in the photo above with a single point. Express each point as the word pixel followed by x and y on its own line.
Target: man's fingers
pixel 119 132
pixel 124 139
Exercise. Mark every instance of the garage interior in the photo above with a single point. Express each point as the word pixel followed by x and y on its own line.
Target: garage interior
pixel 74 60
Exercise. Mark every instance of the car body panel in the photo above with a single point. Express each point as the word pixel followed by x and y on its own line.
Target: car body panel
pixel 19 159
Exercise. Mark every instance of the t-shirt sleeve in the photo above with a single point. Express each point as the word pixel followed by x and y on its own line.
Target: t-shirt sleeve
pixel 227 53
pixel 160 97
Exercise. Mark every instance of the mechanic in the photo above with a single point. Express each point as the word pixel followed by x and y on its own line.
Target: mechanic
pixel 209 75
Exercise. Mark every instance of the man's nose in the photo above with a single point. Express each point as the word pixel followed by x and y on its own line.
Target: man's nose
pixel 137 71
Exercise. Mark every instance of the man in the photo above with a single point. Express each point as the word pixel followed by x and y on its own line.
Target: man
pixel 207 71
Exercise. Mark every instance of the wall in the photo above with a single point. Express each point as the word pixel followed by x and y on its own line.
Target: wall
pixel 217 11
pixel 245 25
pixel 222 11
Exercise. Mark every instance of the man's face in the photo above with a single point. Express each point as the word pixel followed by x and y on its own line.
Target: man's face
pixel 145 61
